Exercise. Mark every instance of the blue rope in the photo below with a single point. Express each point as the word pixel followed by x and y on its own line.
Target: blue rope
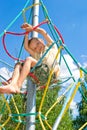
pixel 14 19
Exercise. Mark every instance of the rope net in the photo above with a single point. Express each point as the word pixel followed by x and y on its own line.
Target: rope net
pixel 10 111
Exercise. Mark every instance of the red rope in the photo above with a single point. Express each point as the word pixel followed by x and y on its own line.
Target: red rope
pixel 4 45
pixel 59 34
pixel 18 34
pixel 31 74
pixel 23 33
pixel 6 82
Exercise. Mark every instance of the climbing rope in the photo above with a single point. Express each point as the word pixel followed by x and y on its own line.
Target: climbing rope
pixel 71 89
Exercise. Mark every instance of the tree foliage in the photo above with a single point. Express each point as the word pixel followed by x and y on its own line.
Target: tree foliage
pixel 51 97
pixel 20 101
pixel 5 114
pixel 82 107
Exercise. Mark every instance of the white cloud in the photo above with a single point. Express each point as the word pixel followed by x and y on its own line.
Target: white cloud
pixel 64 72
pixel 84 56
pixel 5 73
pixel 85 64
pixel 73 107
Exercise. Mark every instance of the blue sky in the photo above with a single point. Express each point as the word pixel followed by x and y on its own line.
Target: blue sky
pixel 70 16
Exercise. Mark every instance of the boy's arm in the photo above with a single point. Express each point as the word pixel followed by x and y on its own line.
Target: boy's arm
pixel 45 35
pixel 29 28
pixel 26 46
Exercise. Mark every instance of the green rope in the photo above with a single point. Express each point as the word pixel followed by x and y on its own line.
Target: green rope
pixel 13 21
pixel 71 55
pixel 40 60
pixel 78 65
pixel 25 114
pixel 4 105
pixel 59 82
pixel 84 70
pixel 21 49
pixel 51 26
pixel 68 68
pixel 2 61
pixel 82 93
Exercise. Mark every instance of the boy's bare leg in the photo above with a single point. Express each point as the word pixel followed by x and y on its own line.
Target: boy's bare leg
pixel 15 85
pixel 16 73
pixel 15 76
pixel 30 62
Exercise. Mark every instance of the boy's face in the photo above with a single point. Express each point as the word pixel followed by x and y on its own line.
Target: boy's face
pixel 37 45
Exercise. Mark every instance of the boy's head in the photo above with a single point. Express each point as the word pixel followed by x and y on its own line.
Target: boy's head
pixel 36 45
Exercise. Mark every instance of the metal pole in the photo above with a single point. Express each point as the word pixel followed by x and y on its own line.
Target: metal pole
pixel 35 18
pixel 31 97
pixel 31 106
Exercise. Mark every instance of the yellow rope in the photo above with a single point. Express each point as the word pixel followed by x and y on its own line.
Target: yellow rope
pixel 81 75
pixel 24 17
pixel 48 124
pixel 24 10
pixel 75 90
pixel 41 121
pixel 51 72
pixel 10 113
pixel 8 110
pixel 48 82
pixel 83 126
pixel 17 113
pixel 58 100
pixel 45 91
pixel 68 104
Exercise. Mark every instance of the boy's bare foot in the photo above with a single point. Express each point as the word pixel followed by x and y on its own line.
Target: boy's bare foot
pixel 9 89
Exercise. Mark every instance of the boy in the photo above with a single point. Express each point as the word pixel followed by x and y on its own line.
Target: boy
pixel 35 47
